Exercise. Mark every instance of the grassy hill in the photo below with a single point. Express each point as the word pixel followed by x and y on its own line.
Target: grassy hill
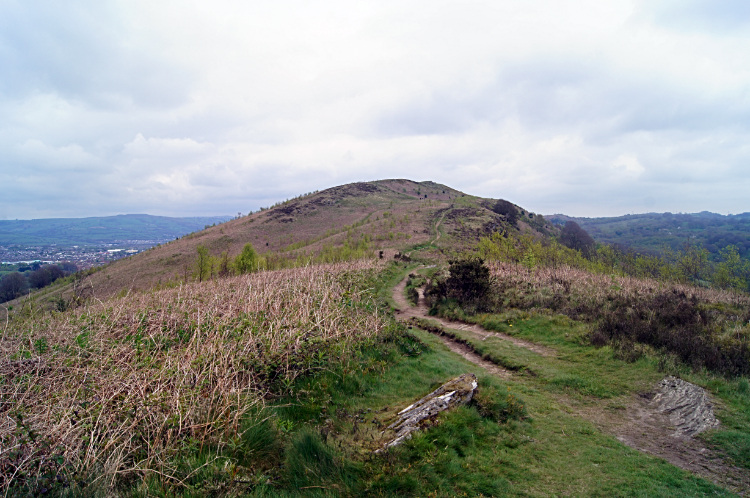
pixel 100 230
pixel 280 384
pixel 283 382
pixel 651 232
pixel 388 215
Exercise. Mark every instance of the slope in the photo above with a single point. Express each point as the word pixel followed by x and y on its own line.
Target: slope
pixel 390 215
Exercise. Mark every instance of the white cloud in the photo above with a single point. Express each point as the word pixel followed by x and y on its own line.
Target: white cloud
pixel 36 154
pixel 628 166
pixel 583 107
pixel 165 147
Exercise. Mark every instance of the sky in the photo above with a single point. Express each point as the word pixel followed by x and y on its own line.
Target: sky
pixel 191 107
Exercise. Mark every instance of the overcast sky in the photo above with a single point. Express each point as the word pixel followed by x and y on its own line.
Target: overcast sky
pixel 193 107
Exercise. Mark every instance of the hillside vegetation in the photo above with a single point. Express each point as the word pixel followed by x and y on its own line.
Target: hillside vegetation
pixel 274 371
pixel 652 232
pixel 124 387
pixel 328 226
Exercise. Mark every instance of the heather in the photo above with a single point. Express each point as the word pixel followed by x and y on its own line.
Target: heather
pixel 704 327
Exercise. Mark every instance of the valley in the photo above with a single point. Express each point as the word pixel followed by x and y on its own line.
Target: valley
pixel 653 232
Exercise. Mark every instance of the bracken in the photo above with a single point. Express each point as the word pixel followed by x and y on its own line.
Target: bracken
pixel 123 385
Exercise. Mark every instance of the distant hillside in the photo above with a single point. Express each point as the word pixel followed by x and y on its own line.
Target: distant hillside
pixel 100 230
pixel 388 215
pixel 651 232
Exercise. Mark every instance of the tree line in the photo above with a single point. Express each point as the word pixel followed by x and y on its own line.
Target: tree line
pixel 650 232
pixel 574 247
pixel 207 266
pixel 17 284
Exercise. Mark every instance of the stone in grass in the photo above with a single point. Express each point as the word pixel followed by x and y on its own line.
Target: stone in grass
pixel 456 392
pixel 688 406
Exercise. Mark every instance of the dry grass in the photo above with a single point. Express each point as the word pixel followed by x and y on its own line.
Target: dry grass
pixel 704 328
pixel 540 286
pixel 118 388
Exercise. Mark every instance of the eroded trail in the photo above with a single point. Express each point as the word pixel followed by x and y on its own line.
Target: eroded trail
pixel 638 426
pixel 437 229
pixel 406 311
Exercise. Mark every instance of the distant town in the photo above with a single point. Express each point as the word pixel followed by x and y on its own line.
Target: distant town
pixel 83 256
pixel 87 242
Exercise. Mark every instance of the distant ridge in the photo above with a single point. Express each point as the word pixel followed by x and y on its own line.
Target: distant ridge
pixel 652 232
pixel 101 229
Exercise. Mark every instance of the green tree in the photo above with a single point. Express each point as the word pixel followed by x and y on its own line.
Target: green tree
pixel 732 271
pixel 693 262
pixel 247 261
pixel 12 285
pixel 224 265
pixel 648 266
pixel 575 237
pixel 203 264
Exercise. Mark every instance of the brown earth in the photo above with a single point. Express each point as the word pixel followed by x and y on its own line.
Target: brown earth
pixel 640 425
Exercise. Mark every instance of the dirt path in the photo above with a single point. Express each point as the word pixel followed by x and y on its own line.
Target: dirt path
pixel 638 426
pixel 437 228
pixel 406 311
pixel 651 432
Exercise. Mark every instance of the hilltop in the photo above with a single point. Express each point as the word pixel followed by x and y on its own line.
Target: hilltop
pixel 390 215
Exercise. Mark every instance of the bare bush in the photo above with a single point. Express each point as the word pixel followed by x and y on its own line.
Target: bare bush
pixel 540 286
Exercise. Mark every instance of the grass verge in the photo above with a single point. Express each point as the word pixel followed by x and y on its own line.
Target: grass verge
pixel 591 373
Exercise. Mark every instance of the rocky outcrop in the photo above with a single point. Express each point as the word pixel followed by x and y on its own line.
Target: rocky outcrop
pixel 456 392
pixel 688 406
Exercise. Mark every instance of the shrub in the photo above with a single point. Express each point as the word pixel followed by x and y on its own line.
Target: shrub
pixel 676 322
pixel 702 327
pixel 412 294
pixel 508 210
pixel 469 280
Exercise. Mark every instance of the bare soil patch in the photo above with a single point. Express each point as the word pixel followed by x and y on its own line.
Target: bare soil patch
pixel 645 426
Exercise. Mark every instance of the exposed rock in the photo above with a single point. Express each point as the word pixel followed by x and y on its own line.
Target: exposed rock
pixel 688 406
pixel 456 392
